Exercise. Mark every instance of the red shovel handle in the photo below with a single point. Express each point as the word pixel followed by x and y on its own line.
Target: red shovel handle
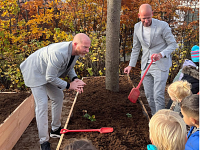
pixel 152 60
pixel 102 130
pixel 82 130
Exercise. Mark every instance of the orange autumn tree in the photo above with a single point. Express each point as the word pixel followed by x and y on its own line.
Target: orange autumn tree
pixel 26 27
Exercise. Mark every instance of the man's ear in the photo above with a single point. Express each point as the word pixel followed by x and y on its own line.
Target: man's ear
pixel 186 139
pixel 75 43
pixel 194 121
pixel 179 100
pixel 151 140
pixel 138 15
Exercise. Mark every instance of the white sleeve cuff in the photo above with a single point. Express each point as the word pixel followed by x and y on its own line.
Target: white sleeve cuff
pixel 163 55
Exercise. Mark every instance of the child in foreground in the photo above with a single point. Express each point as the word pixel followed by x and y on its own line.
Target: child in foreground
pixel 190 111
pixel 177 91
pixel 79 144
pixel 167 131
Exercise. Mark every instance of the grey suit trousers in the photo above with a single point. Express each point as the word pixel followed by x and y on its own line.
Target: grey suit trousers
pixel 154 85
pixel 41 94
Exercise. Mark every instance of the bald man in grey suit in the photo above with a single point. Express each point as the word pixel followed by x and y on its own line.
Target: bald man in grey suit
pixel 153 37
pixel 42 71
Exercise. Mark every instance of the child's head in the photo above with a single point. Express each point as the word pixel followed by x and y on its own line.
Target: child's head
pixel 79 144
pixel 167 130
pixel 190 110
pixel 179 90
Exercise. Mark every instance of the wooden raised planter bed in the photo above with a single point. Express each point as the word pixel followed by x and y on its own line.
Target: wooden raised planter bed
pixel 110 110
pixel 14 126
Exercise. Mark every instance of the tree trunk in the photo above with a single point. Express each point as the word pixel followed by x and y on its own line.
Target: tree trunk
pixel 112 45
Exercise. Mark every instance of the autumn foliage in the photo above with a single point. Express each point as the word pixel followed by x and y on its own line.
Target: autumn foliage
pixel 26 27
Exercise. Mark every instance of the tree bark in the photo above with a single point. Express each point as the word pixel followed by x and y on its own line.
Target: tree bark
pixel 112 45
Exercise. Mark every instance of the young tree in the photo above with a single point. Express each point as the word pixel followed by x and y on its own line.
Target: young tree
pixel 112 44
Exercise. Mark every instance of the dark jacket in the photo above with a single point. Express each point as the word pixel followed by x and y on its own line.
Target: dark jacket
pixel 191 74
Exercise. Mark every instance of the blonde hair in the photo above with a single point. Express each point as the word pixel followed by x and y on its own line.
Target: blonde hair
pixel 79 144
pixel 167 130
pixel 179 90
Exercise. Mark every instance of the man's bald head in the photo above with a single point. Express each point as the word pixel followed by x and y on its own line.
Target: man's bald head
pixel 145 14
pixel 145 8
pixel 81 37
pixel 81 44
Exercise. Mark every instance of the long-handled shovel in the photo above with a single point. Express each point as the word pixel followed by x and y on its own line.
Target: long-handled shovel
pixel 135 92
pixel 102 130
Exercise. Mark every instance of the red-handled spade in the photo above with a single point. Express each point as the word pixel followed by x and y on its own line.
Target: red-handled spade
pixel 102 130
pixel 135 92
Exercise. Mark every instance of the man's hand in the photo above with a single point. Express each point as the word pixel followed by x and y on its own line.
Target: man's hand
pixel 127 69
pixel 157 57
pixel 77 85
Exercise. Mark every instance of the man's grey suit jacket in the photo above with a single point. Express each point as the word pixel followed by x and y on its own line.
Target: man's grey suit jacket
pixel 161 41
pixel 47 64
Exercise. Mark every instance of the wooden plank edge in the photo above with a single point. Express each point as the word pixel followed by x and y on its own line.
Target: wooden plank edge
pixel 10 142
pixel 139 99
pixel 66 124
pixel 7 92
pixel 143 107
pixel 13 92
pixel 18 120
pixel 99 76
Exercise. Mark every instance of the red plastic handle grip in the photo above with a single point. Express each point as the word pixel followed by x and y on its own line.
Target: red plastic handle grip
pixel 152 60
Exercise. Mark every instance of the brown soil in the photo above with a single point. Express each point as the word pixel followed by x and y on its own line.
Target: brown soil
pixel 10 101
pixel 109 108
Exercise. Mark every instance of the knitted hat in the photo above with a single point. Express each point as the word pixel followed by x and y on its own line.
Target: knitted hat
pixel 195 53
